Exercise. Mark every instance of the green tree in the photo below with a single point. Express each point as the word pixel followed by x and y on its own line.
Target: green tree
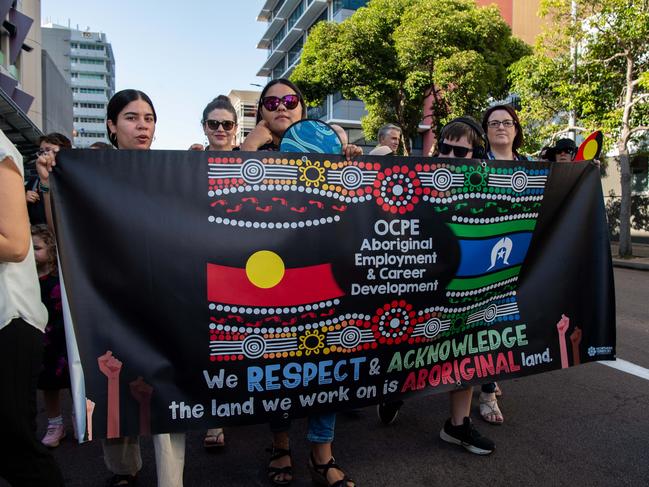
pixel 393 54
pixel 606 84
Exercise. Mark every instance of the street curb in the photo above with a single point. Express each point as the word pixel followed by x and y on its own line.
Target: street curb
pixel 640 266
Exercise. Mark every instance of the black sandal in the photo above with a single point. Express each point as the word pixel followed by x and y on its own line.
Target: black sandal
pixel 319 474
pixel 119 480
pixel 274 472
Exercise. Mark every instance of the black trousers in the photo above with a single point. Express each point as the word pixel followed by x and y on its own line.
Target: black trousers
pixel 24 461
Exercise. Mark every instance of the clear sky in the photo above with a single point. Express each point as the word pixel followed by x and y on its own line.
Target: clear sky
pixel 182 54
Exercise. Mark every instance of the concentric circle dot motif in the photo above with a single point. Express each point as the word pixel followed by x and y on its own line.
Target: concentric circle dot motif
pixel 253 171
pixel 490 313
pixel 519 181
pixel 442 179
pixel 350 337
pixel 253 346
pixel 351 177
pixel 432 328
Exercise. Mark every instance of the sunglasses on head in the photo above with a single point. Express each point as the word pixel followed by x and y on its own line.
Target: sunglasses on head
pixel 271 103
pixel 215 124
pixel 458 151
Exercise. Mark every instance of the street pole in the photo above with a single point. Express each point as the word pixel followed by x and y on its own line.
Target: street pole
pixel 572 118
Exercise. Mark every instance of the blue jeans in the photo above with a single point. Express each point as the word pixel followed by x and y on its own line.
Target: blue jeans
pixel 320 427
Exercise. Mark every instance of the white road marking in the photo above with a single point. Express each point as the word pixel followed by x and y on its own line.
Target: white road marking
pixel 628 367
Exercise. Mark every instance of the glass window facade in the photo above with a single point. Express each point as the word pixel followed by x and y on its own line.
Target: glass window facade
pixel 297 13
pixel 279 69
pixel 295 51
pixel 347 4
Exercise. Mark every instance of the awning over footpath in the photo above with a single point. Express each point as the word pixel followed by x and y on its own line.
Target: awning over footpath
pixel 17 126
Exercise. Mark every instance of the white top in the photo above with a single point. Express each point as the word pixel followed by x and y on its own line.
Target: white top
pixel 20 295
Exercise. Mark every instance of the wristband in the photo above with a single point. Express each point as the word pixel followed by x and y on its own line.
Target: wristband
pixel 44 188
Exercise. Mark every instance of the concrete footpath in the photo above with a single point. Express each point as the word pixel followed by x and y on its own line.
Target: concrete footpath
pixel 639 261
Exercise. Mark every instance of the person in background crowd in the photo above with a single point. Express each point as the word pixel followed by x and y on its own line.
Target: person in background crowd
pixel 100 145
pixel 35 205
pixel 280 105
pixel 563 151
pixel 388 136
pixel 198 147
pixel 131 120
pixel 462 138
pixel 505 137
pixel 55 374
pixel 544 154
pixel 24 460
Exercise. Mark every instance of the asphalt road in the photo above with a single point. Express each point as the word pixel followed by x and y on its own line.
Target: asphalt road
pixel 580 427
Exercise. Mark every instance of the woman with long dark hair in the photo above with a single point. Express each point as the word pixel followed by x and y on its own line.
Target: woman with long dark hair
pixel 280 105
pixel 131 121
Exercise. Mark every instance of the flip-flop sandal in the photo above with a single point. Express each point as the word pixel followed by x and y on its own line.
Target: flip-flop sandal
pixel 214 439
pixel 273 473
pixel 489 410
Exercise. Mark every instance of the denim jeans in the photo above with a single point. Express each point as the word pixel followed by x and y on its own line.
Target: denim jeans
pixel 320 427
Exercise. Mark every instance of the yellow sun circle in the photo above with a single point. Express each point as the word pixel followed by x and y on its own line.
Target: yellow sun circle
pixel 265 269
pixel 591 149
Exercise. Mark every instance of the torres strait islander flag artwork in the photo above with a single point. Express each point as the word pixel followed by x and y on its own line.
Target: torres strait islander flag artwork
pixel 208 289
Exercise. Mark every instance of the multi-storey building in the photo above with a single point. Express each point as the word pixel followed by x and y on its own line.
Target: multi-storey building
pixel 245 104
pixel 289 23
pixel 20 74
pixel 86 59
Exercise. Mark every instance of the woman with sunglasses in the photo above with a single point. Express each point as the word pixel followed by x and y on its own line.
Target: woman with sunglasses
pixel 280 105
pixel 505 136
pixel 220 124
pixel 462 138
pixel 220 127
pixel 130 120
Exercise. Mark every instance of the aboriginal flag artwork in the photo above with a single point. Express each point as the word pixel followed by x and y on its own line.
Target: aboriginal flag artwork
pixel 209 289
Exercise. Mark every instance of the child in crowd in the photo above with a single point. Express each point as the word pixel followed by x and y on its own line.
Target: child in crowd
pixel 55 375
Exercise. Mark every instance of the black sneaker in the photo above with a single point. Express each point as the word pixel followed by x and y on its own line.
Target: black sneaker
pixel 388 411
pixel 467 436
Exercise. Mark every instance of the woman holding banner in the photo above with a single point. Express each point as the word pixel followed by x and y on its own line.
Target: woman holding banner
pixel 24 461
pixel 131 120
pixel 505 136
pixel 220 125
pixel 280 105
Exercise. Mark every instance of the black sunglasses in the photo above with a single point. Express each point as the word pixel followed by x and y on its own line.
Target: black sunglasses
pixel 271 103
pixel 457 150
pixel 572 152
pixel 215 124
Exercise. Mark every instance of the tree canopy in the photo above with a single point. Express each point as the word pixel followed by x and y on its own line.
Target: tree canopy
pixel 394 54
pixel 605 83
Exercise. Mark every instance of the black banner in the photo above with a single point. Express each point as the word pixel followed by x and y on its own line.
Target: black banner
pixel 208 289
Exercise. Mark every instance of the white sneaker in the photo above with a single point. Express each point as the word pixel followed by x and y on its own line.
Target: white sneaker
pixel 55 433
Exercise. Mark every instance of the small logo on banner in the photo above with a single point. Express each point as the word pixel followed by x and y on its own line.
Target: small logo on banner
pixel 592 351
